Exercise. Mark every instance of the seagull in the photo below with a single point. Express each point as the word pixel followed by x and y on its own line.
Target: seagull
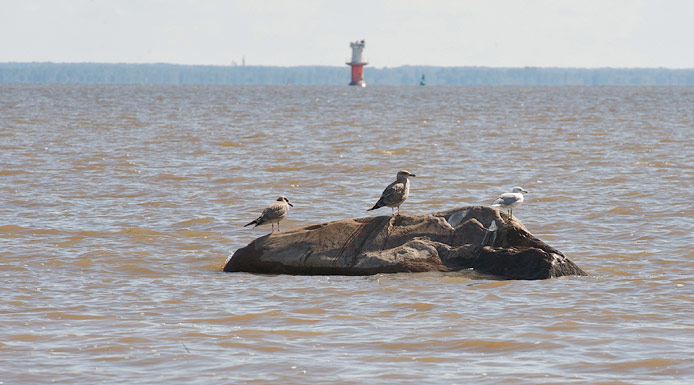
pixel 510 200
pixel 273 214
pixel 395 193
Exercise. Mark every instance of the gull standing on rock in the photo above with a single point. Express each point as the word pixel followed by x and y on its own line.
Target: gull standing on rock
pixel 273 214
pixel 395 193
pixel 510 201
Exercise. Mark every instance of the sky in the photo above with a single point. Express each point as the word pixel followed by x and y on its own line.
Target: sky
pixel 492 33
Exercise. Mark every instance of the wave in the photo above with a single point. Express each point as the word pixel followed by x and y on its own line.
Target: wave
pixel 164 177
pixel 12 172
pixel 193 222
pixel 229 143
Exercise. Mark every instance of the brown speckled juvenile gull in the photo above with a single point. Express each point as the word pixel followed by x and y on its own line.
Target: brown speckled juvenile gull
pixel 395 193
pixel 273 214
pixel 510 200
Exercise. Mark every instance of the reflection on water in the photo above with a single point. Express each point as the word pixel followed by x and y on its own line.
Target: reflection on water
pixel 121 204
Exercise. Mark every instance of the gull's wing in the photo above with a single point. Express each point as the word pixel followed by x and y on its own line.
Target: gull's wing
pixel 275 211
pixel 505 199
pixel 393 194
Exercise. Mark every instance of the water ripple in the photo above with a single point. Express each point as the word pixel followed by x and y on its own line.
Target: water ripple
pixel 121 204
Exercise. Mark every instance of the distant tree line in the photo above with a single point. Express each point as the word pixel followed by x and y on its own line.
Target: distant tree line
pixel 94 73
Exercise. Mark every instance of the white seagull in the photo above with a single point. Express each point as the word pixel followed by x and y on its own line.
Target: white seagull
pixel 395 193
pixel 510 200
pixel 273 214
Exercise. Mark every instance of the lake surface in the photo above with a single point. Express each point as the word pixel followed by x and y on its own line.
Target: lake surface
pixel 120 205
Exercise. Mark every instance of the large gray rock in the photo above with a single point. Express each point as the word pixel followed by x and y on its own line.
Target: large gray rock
pixel 447 241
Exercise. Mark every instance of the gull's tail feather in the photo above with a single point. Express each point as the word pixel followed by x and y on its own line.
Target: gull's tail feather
pixel 257 222
pixel 378 205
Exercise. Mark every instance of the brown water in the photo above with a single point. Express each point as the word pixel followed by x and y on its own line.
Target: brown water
pixel 120 205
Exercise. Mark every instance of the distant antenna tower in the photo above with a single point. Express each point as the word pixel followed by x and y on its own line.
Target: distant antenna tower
pixel 358 62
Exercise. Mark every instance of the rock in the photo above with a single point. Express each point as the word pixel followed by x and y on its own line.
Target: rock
pixel 445 241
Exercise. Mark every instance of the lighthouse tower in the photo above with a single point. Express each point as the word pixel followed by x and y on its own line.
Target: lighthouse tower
pixel 358 62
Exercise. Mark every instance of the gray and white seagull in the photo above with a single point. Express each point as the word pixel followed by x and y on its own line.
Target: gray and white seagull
pixel 396 193
pixel 510 201
pixel 273 214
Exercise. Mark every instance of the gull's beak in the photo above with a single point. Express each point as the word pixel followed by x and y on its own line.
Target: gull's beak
pixel 290 204
pixel 413 175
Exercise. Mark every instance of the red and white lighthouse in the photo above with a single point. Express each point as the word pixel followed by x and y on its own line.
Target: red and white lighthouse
pixel 358 62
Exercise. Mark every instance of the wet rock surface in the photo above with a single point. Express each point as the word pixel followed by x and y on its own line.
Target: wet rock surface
pixel 476 237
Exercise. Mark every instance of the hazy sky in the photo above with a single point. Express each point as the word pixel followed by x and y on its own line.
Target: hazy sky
pixel 503 33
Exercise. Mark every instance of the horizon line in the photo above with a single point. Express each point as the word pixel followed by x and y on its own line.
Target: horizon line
pixel 340 66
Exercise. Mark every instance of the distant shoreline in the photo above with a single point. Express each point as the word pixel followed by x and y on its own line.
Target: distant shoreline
pixel 179 74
